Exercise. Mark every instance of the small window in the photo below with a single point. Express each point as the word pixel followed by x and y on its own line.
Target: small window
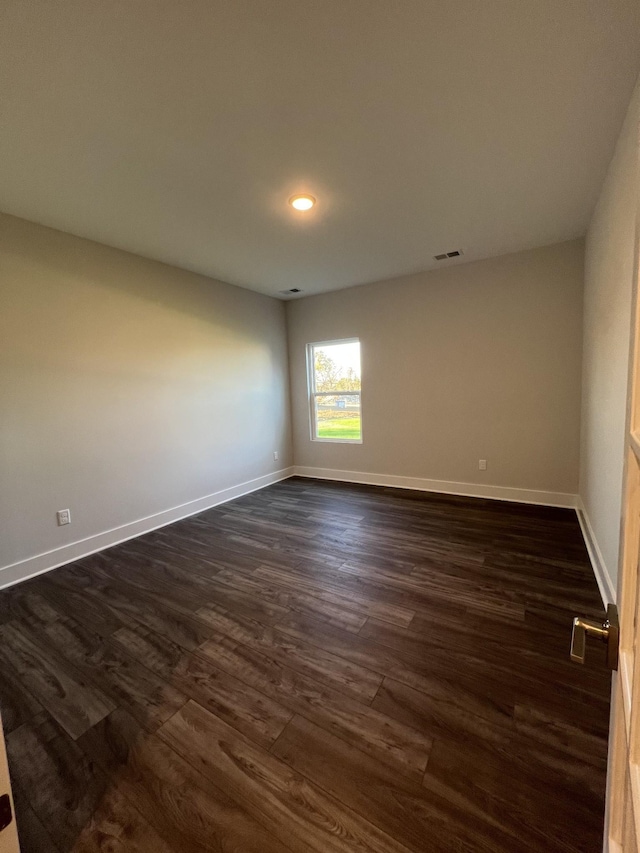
pixel 334 390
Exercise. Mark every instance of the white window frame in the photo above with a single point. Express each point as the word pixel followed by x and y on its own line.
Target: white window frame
pixel 313 394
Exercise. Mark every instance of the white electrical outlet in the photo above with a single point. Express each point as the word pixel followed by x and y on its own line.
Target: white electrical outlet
pixel 276 455
pixel 482 464
pixel 64 517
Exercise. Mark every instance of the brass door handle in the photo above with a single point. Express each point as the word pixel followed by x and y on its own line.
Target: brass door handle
pixel 608 632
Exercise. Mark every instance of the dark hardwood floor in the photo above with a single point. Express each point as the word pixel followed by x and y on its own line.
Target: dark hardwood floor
pixel 313 667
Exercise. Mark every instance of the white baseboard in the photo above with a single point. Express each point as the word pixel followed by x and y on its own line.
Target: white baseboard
pixel 470 490
pixel 600 570
pixel 32 566
pixel 44 562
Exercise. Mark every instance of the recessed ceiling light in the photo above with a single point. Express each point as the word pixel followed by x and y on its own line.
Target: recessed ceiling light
pixel 302 202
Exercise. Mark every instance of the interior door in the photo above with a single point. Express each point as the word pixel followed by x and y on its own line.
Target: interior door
pixel 8 830
pixel 622 829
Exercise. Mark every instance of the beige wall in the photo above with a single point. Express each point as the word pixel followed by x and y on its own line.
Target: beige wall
pixel 607 317
pixel 479 360
pixel 127 387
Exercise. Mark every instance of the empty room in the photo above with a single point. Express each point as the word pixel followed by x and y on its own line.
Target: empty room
pixel 319 426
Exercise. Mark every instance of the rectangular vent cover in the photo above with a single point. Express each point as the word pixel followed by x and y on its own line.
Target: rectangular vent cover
pixel 443 257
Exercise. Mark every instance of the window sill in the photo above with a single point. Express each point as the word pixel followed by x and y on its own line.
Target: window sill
pixel 338 440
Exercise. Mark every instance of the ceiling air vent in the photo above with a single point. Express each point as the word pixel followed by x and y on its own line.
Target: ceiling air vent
pixel 443 257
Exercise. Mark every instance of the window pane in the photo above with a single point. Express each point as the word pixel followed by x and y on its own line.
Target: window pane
pixel 337 367
pixel 338 417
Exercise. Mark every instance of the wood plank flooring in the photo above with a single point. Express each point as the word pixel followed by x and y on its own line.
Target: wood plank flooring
pixel 313 667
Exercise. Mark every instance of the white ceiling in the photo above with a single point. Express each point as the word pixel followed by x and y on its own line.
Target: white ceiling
pixel 178 129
